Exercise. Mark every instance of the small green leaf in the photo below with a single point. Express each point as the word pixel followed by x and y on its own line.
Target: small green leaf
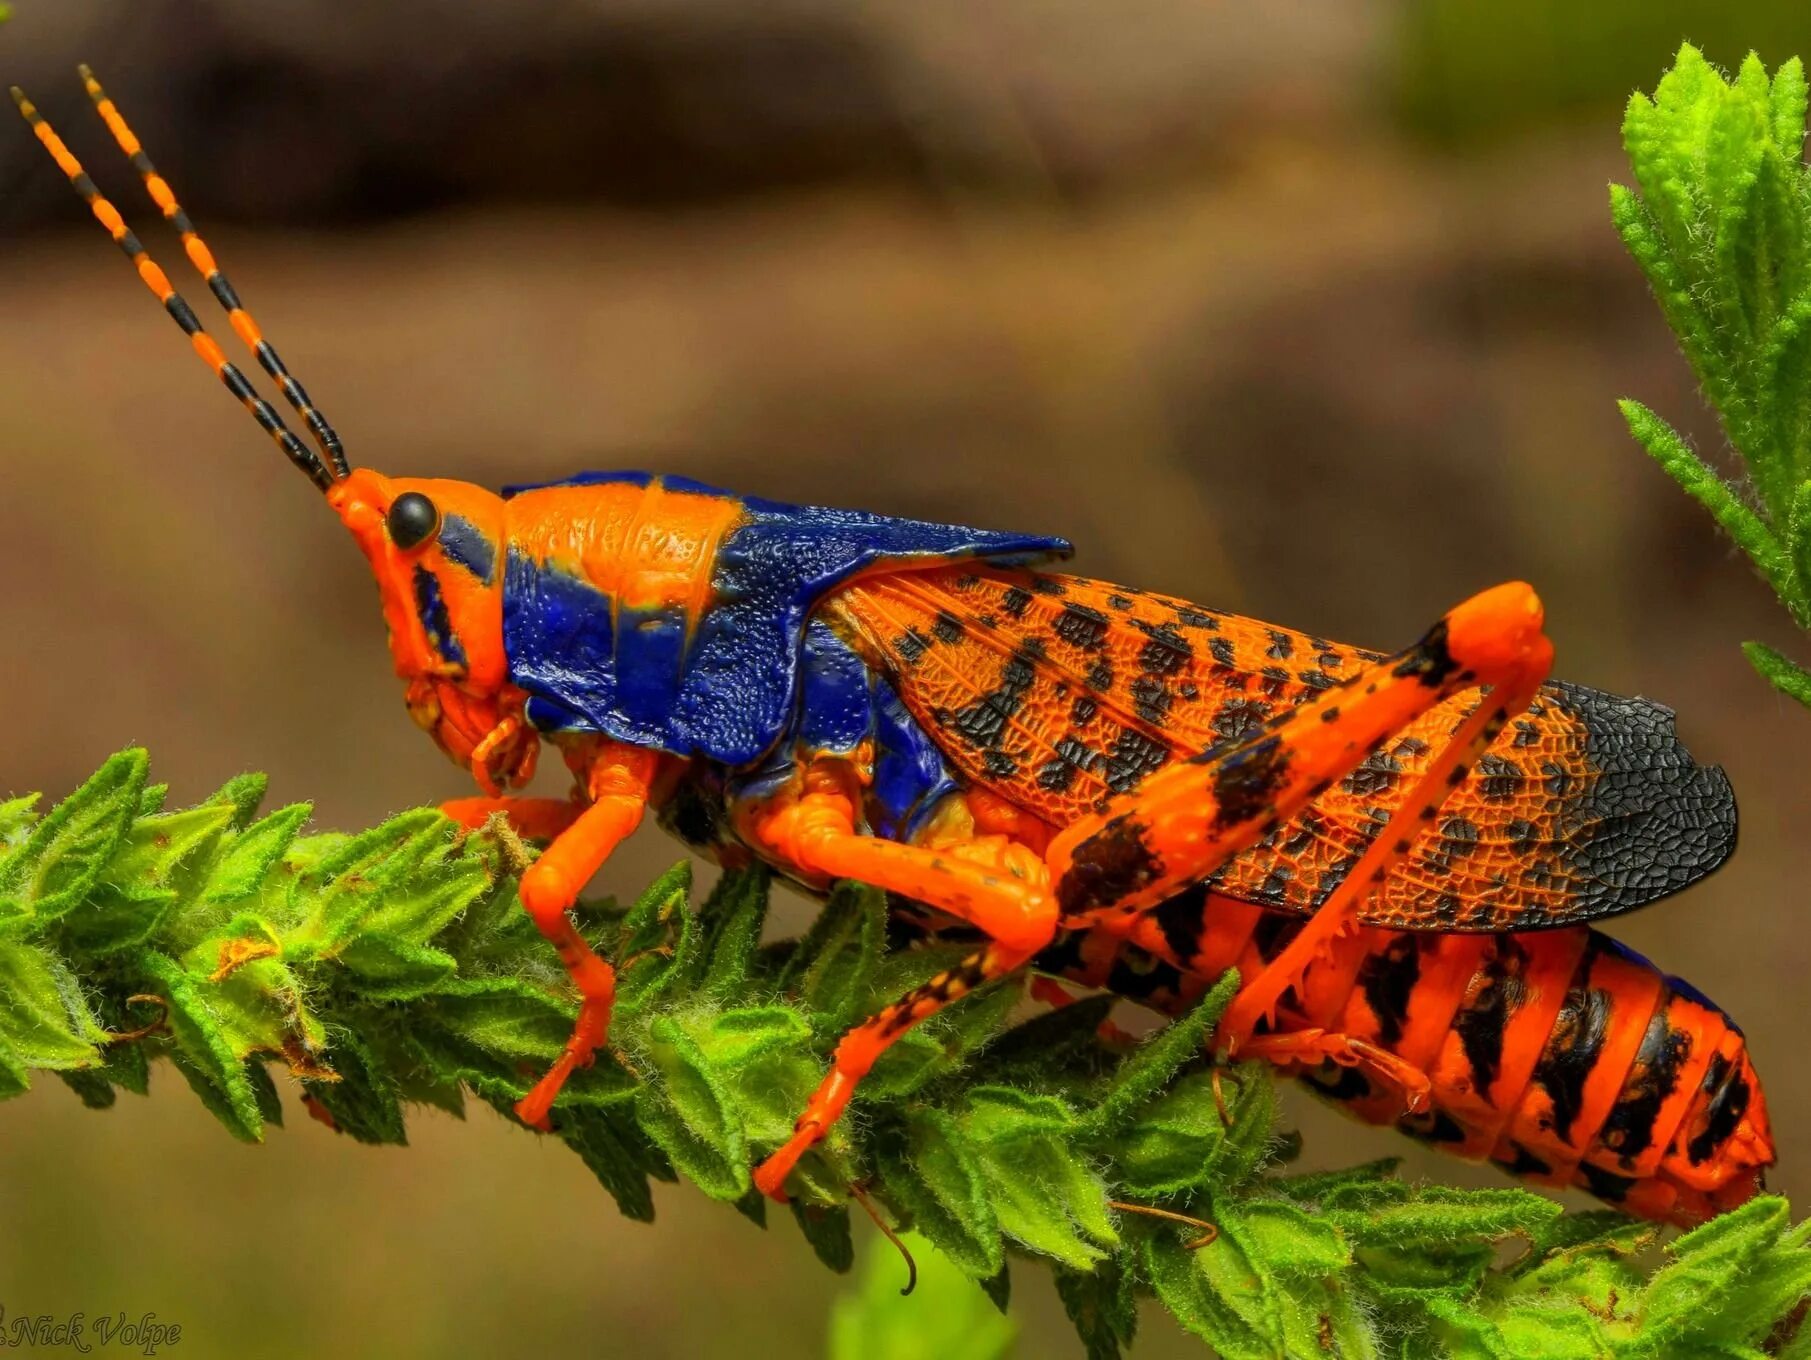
pixel 363 1102
pixel 714 1149
pixel 617 1152
pixel 826 1228
pixel 419 907
pixel 246 860
pixel 1102 1306
pixel 1283 1240
pixel 656 940
pixel 333 897
pixel 205 1052
pixel 243 793
pixel 1251 1137
pixel 1783 674
pixel 1215 1294
pixel 731 1040
pixel 1044 1193
pixel 1316 1186
pixel 830 970
pixel 1175 1142
pixel 1708 1260
pixel 45 1021
pixel 732 919
pixel 69 850
pixel 939 1181
pixel 1156 1060
pixel 17 817
pixel 394 969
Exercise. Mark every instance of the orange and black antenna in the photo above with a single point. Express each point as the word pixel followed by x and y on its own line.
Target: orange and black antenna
pixel 322 474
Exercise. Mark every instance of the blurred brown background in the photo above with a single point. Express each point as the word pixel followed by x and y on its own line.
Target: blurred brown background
pixel 1309 312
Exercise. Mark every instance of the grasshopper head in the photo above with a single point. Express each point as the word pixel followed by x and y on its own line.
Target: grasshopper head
pixel 434 546
pixel 436 549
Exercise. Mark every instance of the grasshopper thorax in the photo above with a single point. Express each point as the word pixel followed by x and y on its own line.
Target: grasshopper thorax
pixel 435 547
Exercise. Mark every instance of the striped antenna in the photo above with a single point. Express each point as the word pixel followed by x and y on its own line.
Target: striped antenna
pixel 203 260
pixel 180 311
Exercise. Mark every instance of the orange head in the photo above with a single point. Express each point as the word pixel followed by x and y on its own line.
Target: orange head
pixel 436 549
pixel 434 546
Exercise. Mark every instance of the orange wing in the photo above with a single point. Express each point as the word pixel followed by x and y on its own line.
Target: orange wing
pixel 1057 692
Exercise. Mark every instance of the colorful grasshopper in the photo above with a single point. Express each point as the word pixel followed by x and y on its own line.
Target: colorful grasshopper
pixel 1085 773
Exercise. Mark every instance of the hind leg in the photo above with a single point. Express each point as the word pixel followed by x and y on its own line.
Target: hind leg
pixel 1188 820
pixel 990 882
pixel 1514 687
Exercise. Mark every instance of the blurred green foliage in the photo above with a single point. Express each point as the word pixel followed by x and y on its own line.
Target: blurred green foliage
pixel 1466 72
pixel 944 1317
pixel 1721 227
pixel 393 968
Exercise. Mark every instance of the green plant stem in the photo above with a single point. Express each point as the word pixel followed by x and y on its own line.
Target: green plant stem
pixel 393 969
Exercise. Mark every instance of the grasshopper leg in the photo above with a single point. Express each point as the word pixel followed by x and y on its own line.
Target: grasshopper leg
pixel 991 882
pixel 618 783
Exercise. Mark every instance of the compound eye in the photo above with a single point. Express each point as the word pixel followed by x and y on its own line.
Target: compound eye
pixel 411 519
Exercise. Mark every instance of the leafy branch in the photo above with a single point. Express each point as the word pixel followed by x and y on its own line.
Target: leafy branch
pixel 393 969
pixel 1721 227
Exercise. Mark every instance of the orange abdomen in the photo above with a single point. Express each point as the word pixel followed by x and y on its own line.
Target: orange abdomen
pixel 1560 1055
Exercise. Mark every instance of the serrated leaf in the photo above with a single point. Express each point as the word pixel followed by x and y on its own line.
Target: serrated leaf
pixel 1155 1061
pixel 1044 1193
pixel 695 1159
pixel 1314 1186
pixel 731 1040
pixel 44 1021
pixel 732 919
pixel 419 908
pixel 1102 1307
pixel 1048 1045
pixel 1772 1289
pixel 656 940
pixel 646 924
pixel 1281 1239
pixel 1196 1294
pixel 146 877
pixel 334 895
pixel 616 1151
pixel 17 817
pixel 243 793
pixel 826 1228
pixel 156 846
pixel 714 1150
pixel 246 860
pixel 68 851
pixel 363 1101
pixel 1709 1260
pixel 1438 1216
pixel 830 970
pixel 938 1180
pixel 1251 1137
pixel 91 1088
pixel 504 1016
pixel 392 969
pixel 1175 1142
pixel 205 1052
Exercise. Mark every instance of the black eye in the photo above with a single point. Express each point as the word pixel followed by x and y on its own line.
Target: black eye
pixel 411 519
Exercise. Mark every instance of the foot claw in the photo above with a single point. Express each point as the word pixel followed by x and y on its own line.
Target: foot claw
pixel 770 1176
